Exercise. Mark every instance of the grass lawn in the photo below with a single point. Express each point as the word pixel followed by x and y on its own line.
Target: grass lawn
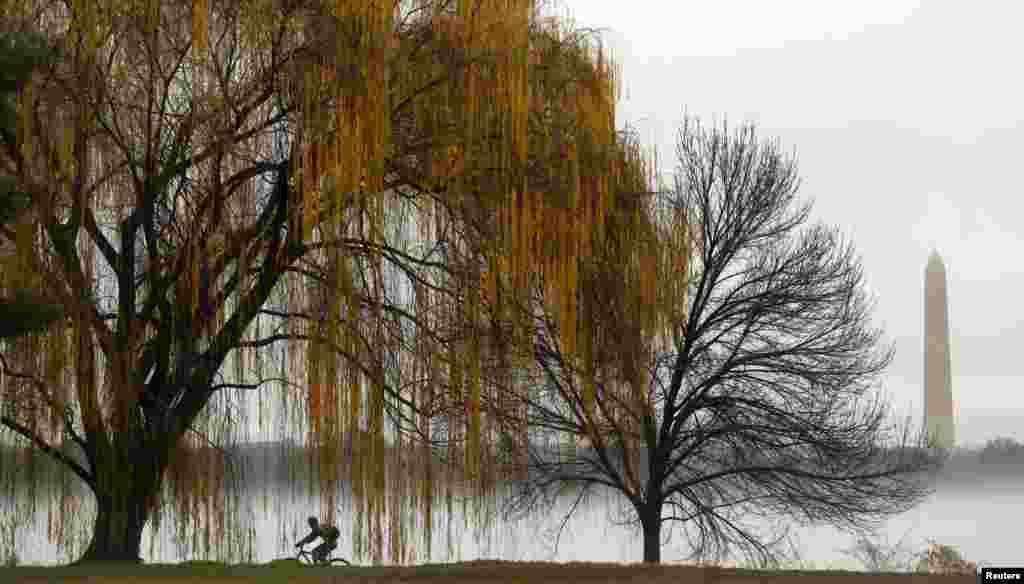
pixel 481 571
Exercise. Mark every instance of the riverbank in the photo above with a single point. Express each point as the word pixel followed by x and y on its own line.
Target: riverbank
pixel 476 572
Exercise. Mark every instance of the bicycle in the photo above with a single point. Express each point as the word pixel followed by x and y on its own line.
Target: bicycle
pixel 305 557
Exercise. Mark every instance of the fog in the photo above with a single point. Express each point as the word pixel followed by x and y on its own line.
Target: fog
pixel 974 497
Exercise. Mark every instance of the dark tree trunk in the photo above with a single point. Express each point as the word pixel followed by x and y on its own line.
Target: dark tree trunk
pixel 127 484
pixel 117 534
pixel 650 520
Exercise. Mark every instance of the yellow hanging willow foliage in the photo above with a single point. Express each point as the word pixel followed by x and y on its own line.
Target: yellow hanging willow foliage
pixel 25 132
pixel 200 24
pixel 517 166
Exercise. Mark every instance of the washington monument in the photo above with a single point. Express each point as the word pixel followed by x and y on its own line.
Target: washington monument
pixel 938 387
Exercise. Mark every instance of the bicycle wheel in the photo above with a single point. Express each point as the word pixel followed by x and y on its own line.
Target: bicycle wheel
pixel 305 558
pixel 332 561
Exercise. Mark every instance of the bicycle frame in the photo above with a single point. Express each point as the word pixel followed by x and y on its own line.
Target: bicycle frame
pixel 305 557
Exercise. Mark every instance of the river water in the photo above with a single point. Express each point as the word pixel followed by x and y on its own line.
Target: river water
pixel 979 515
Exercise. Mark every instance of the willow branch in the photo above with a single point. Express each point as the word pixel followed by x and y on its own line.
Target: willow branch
pixel 41 444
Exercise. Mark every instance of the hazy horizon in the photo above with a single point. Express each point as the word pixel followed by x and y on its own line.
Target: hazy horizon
pixel 906 123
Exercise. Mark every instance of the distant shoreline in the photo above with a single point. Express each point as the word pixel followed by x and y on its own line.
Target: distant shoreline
pixel 965 467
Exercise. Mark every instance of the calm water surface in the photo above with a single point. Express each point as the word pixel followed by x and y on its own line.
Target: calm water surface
pixel 981 519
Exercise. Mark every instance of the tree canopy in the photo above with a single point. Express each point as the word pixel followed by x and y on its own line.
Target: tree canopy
pixel 21 310
pixel 337 199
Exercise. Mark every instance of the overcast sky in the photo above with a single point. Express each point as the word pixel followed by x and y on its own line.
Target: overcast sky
pixel 906 119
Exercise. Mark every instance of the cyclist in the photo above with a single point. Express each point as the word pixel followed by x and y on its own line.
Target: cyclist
pixel 328 533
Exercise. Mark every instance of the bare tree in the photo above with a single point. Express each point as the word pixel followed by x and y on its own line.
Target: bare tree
pixel 747 391
pixel 877 557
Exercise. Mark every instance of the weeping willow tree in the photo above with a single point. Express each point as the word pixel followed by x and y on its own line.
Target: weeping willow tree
pixel 422 164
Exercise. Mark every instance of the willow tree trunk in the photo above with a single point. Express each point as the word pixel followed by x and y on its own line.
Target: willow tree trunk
pixel 127 482
pixel 117 534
